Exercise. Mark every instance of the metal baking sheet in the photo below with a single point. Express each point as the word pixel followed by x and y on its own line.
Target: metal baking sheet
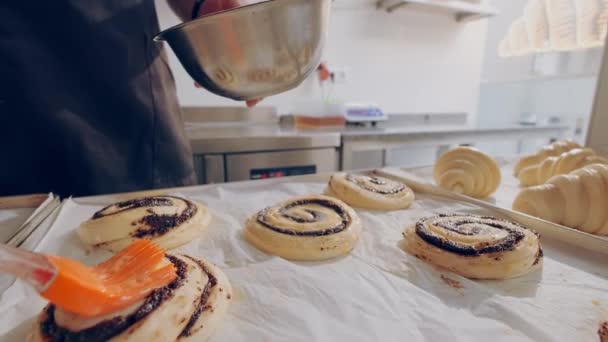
pixel 377 292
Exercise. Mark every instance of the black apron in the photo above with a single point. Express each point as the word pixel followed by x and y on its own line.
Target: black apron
pixel 87 101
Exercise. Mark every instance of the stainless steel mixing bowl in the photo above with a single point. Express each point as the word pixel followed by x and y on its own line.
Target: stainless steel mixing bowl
pixel 253 51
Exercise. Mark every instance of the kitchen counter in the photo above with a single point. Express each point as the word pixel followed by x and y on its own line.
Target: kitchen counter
pixel 215 139
pixel 226 152
pixel 212 139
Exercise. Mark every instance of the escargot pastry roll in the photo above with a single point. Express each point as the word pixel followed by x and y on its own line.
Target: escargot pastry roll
pixel 168 221
pixel 468 171
pixel 305 228
pixel 370 192
pixel 475 247
pixel 188 309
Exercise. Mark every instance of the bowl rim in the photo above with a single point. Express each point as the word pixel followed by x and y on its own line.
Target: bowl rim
pixel 215 15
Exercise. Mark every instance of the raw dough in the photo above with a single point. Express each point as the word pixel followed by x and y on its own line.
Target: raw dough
pixel 468 171
pixel 305 228
pixel 475 247
pixel 168 221
pixel 370 192
pixel 578 200
pixel 551 150
pixel 560 165
pixel 189 309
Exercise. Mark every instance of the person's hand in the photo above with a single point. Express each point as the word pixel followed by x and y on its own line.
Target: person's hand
pixel 212 6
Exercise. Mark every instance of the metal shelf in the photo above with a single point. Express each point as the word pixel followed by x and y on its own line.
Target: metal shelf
pixel 462 10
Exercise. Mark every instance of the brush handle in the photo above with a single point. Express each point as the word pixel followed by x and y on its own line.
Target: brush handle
pixel 31 267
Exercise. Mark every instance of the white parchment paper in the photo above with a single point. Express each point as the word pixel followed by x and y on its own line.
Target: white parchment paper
pixel 378 292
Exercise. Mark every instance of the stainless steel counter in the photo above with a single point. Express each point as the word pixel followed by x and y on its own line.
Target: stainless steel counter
pixel 226 139
pixel 207 139
pixel 229 152
pixel 440 136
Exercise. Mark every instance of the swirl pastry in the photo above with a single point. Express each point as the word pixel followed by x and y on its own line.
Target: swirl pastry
pixel 551 150
pixel 188 309
pixel 468 171
pixel 603 332
pixel 305 228
pixel 370 192
pixel 475 247
pixel 560 165
pixel 577 200
pixel 168 221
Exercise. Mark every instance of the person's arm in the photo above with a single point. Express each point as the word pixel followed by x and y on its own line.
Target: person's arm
pixel 183 8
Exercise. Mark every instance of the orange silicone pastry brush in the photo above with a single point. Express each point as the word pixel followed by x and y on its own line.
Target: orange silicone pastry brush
pixel 124 279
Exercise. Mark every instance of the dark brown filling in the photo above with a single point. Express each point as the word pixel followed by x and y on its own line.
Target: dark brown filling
pixel 152 224
pixel 133 204
pixel 539 255
pixel 105 330
pixel 201 306
pixel 315 217
pixel 603 332
pixel 506 244
pixel 159 224
pixel 378 181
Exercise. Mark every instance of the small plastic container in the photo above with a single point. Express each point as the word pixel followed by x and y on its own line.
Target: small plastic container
pixel 319 115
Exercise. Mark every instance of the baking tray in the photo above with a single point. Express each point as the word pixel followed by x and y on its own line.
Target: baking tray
pixel 377 292
pixel 22 221
pixel 502 201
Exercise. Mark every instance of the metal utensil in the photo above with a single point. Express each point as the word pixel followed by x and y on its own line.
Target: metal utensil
pixel 253 51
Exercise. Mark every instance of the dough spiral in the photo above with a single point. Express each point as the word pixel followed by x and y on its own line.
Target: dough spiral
pixel 562 164
pixel 370 192
pixel 168 221
pixel 551 150
pixel 468 171
pixel 305 228
pixel 577 200
pixel 475 247
pixel 188 309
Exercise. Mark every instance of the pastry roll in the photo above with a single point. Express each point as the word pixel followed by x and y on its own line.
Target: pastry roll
pixel 552 150
pixel 603 332
pixel 475 247
pixel 305 228
pixel 577 200
pixel 370 192
pixel 468 171
pixel 562 164
pixel 188 309
pixel 168 221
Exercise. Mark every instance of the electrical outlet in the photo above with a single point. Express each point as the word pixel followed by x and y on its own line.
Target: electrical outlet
pixel 339 76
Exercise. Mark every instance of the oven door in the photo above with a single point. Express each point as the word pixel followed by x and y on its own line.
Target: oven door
pixel 248 166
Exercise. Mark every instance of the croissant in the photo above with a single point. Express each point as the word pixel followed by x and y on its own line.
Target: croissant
pixel 552 150
pixel 560 165
pixel 468 171
pixel 577 200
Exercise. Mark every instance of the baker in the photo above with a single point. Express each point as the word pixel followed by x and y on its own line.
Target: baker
pixel 87 101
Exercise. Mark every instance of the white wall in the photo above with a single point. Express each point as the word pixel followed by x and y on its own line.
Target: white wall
pixel 550 84
pixel 544 85
pixel 407 61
